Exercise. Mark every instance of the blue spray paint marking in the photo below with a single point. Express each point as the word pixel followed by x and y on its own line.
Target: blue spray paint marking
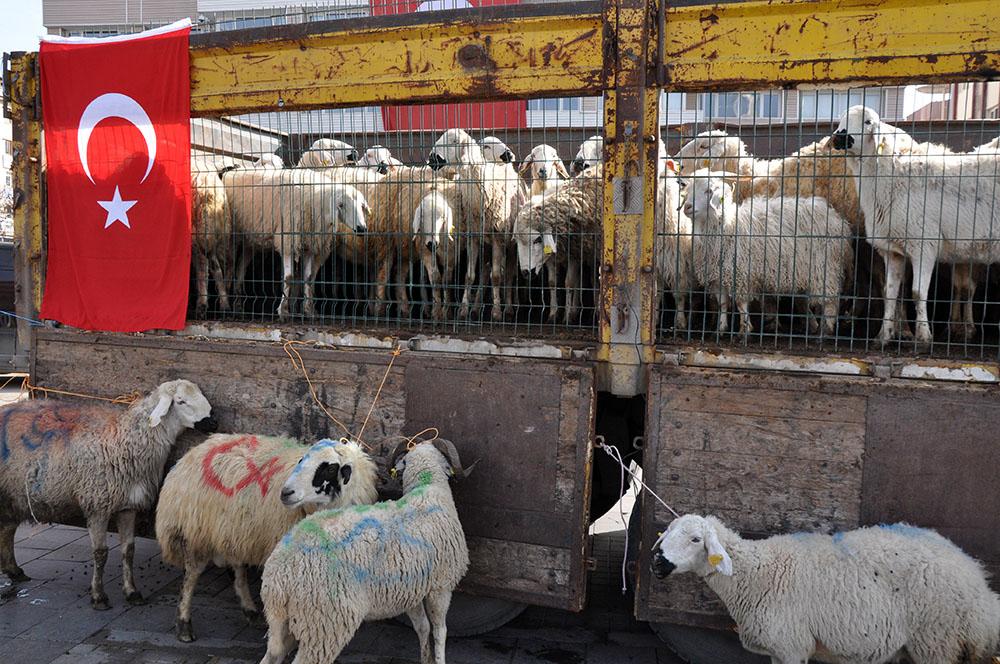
pixel 392 529
pixel 48 426
pixel 906 530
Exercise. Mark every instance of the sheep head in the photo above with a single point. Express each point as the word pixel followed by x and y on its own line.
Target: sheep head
pixel 319 476
pixel 495 150
pixel 708 147
pixel 439 447
pixel 691 544
pixel 708 196
pixel 591 152
pixel 455 147
pixel 352 208
pixel 861 132
pixel 544 164
pixel 534 238
pixel 378 158
pixel 186 401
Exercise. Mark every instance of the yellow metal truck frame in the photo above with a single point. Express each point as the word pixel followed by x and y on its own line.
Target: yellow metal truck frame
pixel 626 50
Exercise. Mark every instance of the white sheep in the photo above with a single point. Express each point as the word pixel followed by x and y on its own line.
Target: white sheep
pixel 59 458
pixel 440 232
pixel 867 596
pixel 925 208
pixel 298 213
pixel 226 501
pixel 269 161
pixel 674 242
pixel 496 151
pixel 590 154
pixel 543 168
pixel 339 568
pixel 379 158
pixel 212 240
pixel 766 245
pixel 494 192
pixel 327 152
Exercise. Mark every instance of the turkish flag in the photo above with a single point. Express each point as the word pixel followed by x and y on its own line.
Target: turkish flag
pixel 117 115
pixel 439 117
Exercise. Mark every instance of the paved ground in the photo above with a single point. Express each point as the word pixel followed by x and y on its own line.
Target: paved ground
pixel 49 619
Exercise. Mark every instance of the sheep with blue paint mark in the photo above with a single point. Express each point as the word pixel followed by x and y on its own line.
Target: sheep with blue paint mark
pixel 866 596
pixel 231 499
pixel 60 459
pixel 339 568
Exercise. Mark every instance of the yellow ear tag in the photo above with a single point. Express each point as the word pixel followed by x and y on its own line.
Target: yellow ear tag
pixel 547 250
pixel 705 163
pixel 881 147
pixel 393 473
pixel 715 559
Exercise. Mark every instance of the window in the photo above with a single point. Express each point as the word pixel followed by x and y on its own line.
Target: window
pixel 559 104
pixel 249 22
pixel 831 104
pixel 9 181
pixel 743 104
pixel 8 147
pixel 672 101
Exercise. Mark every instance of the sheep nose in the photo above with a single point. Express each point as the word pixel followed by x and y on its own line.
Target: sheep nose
pixel 352 156
pixel 661 566
pixel 436 161
pixel 842 140
pixel 383 167
pixel 286 494
pixel 507 156
pixel 525 273
pixel 543 173
pixel 578 166
pixel 207 425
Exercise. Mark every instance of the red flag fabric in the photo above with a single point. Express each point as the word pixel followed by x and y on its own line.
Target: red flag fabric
pixel 117 117
pixel 439 117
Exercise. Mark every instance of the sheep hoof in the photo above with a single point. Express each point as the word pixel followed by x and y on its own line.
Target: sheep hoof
pixel 100 602
pixel 463 312
pixel 185 634
pixel 200 310
pixel 497 314
pixel 17 575
pixel 135 598
pixel 963 331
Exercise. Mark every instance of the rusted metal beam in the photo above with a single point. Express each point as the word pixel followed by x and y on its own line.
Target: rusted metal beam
pixel 784 43
pixel 492 53
pixel 21 81
pixel 631 124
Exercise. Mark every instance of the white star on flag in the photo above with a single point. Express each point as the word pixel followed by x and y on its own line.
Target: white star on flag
pixel 117 209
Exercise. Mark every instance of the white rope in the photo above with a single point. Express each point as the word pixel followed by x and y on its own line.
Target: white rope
pixel 27 495
pixel 614 454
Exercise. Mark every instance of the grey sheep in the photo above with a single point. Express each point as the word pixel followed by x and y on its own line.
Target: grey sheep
pixel 59 459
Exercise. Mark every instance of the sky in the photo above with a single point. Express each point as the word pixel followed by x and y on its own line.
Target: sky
pixel 21 25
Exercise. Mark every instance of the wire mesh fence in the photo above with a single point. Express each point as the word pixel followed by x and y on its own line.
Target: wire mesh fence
pixel 814 222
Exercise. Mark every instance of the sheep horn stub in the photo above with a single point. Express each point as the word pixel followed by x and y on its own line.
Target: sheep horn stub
pixel 447 448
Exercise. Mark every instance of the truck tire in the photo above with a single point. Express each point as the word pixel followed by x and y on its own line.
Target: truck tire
pixel 470 615
pixel 698 645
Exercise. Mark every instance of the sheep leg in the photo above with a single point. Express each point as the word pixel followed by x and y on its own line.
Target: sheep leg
pixel 963 326
pixel 221 283
pixel 422 626
pixel 98 528
pixel 437 604
pixel 241 272
pixel 201 277
pixel 126 532
pixel 434 277
pixel 496 277
pixel 470 278
pixel 242 588
pixel 310 270
pixel 288 276
pixel 193 567
pixel 680 307
pixel 402 297
pixel 7 562
pixel 895 266
pixel 831 307
pixel 279 642
pixel 723 313
pixel 377 306
pixel 572 292
pixel 510 284
pixel 922 273
pixel 552 273
pixel 746 325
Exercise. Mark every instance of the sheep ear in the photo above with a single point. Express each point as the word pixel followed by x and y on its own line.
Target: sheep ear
pixel 525 165
pixel 715 202
pixel 548 244
pixel 162 406
pixel 670 165
pixel 718 558
pixel 561 170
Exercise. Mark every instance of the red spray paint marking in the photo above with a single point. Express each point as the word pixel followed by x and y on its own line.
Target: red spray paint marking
pixel 261 475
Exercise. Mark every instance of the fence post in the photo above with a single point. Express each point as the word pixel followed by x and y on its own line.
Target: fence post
pixel 23 107
pixel 631 127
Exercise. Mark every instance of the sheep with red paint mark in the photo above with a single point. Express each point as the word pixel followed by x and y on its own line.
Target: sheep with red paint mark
pixel 59 459
pixel 227 501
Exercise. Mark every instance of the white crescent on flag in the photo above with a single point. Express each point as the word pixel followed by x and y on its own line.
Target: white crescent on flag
pixel 115 105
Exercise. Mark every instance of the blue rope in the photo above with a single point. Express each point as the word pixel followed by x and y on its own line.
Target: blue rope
pixel 34 322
